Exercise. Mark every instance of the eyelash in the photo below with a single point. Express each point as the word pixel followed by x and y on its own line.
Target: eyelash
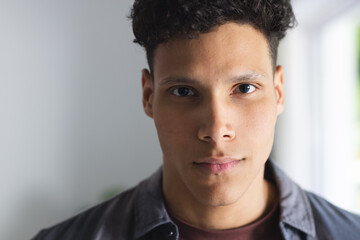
pixel 245 84
pixel 184 87
pixel 193 91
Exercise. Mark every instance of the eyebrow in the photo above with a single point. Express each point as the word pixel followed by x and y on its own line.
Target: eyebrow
pixel 248 76
pixel 177 80
pixel 188 80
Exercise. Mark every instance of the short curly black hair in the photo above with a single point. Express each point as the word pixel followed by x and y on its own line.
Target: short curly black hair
pixel 157 21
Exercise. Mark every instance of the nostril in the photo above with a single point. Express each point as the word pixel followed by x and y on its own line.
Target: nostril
pixel 216 134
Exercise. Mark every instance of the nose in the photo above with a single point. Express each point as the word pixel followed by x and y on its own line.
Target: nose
pixel 216 125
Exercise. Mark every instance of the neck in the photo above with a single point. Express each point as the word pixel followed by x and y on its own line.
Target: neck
pixel 253 204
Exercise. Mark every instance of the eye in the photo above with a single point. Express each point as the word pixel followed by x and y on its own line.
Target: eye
pixel 245 88
pixel 182 92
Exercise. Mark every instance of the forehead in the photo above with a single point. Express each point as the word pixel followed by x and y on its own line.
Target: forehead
pixel 226 49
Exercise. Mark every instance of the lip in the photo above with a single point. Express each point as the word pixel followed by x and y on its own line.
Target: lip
pixel 218 165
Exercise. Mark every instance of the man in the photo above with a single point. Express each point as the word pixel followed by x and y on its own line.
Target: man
pixel 214 91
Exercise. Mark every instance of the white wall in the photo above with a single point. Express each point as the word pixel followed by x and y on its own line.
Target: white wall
pixel 71 118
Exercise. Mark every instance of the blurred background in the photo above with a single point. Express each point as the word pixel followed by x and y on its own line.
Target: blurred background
pixel 72 128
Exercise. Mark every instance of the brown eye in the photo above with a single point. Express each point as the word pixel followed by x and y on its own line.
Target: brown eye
pixel 183 92
pixel 245 88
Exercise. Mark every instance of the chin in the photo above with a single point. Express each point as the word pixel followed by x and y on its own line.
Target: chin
pixel 218 196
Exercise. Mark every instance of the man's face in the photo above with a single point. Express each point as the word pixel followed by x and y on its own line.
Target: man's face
pixel 214 101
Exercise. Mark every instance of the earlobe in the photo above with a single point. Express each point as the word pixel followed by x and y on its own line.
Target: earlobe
pixel 279 89
pixel 148 91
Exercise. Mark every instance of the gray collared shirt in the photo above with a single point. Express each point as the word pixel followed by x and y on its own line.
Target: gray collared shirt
pixel 140 213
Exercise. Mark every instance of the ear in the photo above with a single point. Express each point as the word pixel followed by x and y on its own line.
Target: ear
pixel 148 91
pixel 279 88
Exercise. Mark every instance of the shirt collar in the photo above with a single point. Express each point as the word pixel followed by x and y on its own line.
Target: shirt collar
pixel 294 204
pixel 150 210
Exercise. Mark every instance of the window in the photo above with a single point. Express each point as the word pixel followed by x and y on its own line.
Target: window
pixel 316 142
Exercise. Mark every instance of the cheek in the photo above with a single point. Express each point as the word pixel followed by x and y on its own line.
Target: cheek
pixel 263 122
pixel 168 124
pixel 259 126
pixel 173 120
pixel 173 130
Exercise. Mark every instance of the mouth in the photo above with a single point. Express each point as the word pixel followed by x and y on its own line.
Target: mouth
pixel 217 165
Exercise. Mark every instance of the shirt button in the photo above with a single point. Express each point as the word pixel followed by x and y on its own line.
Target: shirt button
pixel 170 235
pixel 168 231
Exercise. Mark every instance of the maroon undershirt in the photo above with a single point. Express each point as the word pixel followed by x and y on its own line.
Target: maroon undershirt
pixel 264 228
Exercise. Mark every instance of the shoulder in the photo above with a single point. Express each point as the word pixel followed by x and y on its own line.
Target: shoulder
pixel 91 223
pixel 332 221
pixel 309 213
